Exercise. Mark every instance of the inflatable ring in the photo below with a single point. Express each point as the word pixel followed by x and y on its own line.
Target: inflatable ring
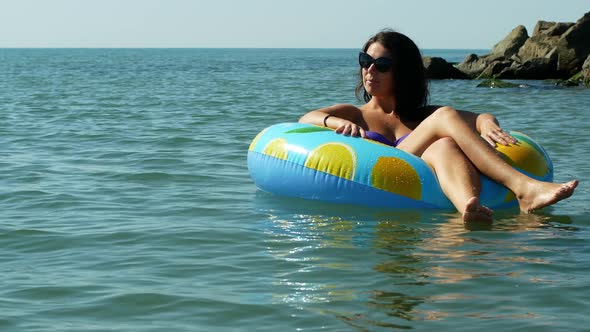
pixel 312 162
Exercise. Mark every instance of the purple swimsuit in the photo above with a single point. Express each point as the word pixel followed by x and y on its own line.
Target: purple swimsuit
pixel 375 136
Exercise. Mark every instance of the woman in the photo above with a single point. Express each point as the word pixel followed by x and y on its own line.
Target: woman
pixel 395 90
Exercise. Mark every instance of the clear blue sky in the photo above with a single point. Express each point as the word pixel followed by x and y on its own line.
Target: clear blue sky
pixel 270 23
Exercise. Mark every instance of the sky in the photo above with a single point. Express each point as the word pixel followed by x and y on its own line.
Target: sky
pixel 434 24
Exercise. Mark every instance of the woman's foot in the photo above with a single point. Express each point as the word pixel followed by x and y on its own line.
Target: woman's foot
pixel 542 194
pixel 474 211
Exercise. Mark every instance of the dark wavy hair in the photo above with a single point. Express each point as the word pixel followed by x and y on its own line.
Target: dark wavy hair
pixel 409 76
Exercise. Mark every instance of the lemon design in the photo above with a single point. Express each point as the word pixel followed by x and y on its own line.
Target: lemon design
pixel 333 158
pixel 255 140
pixel 276 148
pixel 525 156
pixel 397 176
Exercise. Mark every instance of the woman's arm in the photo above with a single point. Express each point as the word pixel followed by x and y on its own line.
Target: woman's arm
pixel 488 126
pixel 344 118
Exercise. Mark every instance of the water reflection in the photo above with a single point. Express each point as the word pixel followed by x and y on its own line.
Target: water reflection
pixel 394 269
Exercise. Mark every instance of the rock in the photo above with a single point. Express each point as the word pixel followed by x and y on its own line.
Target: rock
pixel 575 80
pixel 567 83
pixel 551 28
pixel 474 65
pixel 543 42
pixel 586 71
pixel 511 43
pixel 572 81
pixel 538 46
pixel 494 69
pixel 488 65
pixel 569 48
pixel 556 50
pixel 534 69
pixel 438 68
pixel 574 46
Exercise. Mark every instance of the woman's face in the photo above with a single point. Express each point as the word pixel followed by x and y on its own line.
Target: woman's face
pixel 376 83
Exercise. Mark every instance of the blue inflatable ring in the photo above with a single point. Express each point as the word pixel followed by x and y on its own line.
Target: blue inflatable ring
pixel 312 162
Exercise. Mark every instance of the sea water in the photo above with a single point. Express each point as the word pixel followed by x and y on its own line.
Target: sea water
pixel 126 204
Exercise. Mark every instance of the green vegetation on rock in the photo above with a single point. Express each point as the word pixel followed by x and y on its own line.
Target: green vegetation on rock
pixel 495 83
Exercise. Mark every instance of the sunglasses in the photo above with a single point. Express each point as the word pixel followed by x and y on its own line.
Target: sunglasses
pixel 382 64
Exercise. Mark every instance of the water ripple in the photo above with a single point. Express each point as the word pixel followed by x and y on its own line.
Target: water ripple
pixel 127 205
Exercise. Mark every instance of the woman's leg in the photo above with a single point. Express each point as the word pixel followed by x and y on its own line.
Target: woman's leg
pixel 446 122
pixel 458 178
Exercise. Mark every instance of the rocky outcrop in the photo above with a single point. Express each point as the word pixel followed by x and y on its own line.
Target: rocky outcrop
pixel 551 28
pixel 510 45
pixel 567 43
pixel 586 71
pixel 474 65
pixel 544 40
pixel 555 50
pixel 533 69
pixel 574 46
pixel 494 69
pixel 439 68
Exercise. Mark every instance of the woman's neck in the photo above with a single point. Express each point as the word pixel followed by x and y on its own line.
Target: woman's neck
pixel 386 105
pixel 388 123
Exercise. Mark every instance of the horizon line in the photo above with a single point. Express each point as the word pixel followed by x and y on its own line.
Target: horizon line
pixel 221 47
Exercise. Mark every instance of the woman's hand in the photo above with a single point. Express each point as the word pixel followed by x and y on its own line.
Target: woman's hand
pixel 350 128
pixel 493 134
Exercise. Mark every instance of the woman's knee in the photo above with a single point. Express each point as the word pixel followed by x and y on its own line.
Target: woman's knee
pixel 443 148
pixel 441 120
pixel 445 112
pixel 445 145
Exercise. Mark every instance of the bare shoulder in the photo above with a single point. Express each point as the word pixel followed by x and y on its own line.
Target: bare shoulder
pixel 345 111
pixel 343 108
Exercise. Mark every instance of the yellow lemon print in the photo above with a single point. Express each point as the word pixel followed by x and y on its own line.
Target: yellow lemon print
pixel 333 158
pixel 276 148
pixel 524 156
pixel 397 176
pixel 255 140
